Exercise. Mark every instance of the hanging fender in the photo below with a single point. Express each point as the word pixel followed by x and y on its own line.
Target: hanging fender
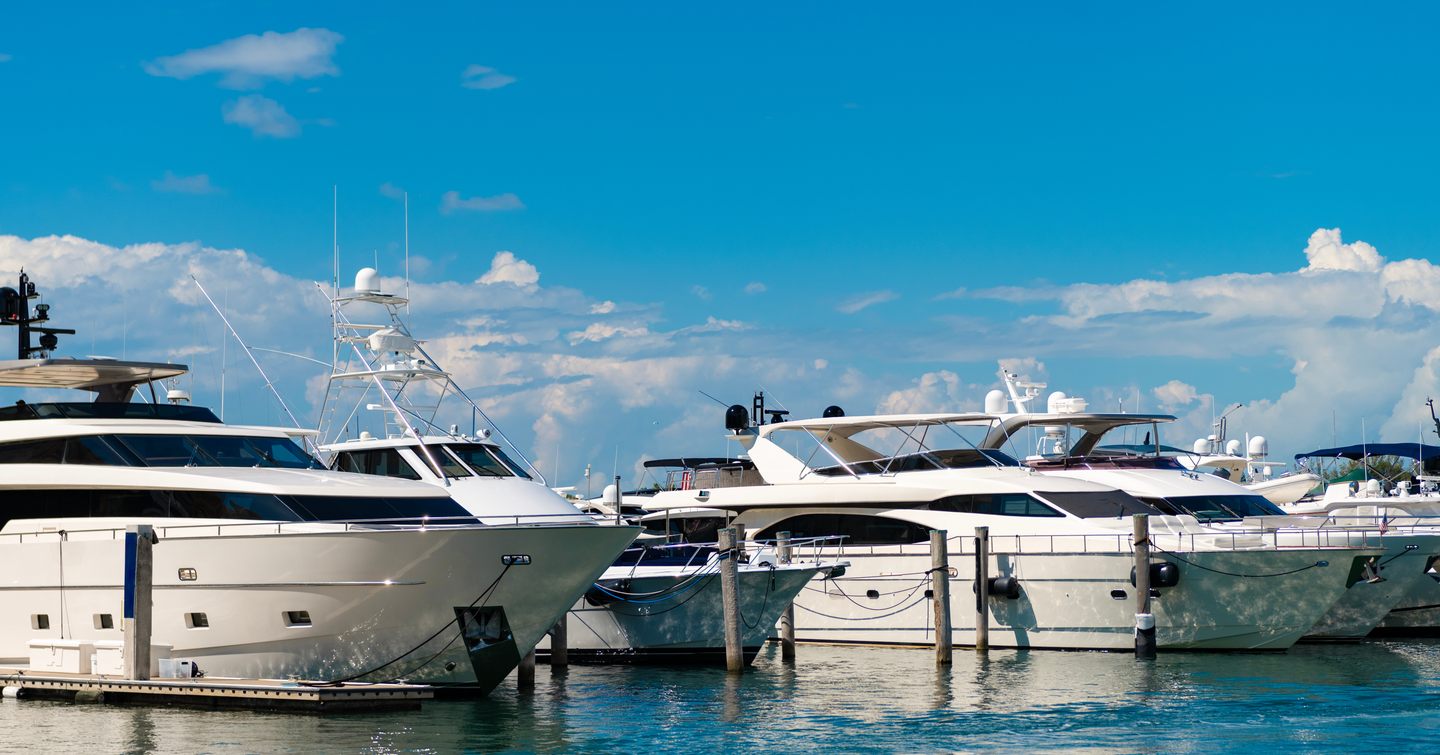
pixel 1162 574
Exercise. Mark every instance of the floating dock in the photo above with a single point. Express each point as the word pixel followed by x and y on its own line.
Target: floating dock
pixel 252 694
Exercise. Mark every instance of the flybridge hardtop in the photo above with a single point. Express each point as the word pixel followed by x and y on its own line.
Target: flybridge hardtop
pixel 1417 451
pixel 112 380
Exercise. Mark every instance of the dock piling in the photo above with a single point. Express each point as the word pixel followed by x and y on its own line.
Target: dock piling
pixel 787 619
pixel 982 589
pixel 560 643
pixel 940 591
pixel 139 576
pixel 525 673
pixel 1144 619
pixel 730 594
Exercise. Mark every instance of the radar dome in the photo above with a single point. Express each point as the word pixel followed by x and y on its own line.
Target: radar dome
pixel 1259 447
pixel 367 281
pixel 1055 401
pixel 995 402
pixel 608 494
pixel 1201 446
pixel 1232 447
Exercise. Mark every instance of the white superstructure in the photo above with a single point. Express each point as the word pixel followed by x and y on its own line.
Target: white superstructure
pixel 267 564
pixel 1063 544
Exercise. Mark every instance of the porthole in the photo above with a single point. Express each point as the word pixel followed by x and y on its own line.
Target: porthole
pixel 197 620
pixel 39 621
pixel 872 594
pixel 297 618
pixel 1119 594
pixel 104 621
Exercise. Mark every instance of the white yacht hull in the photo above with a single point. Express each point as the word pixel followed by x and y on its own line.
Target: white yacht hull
pixel 1080 600
pixel 1365 604
pixel 684 625
pixel 372 596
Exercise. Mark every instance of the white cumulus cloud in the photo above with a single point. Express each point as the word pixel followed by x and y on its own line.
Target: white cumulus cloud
pixel 452 202
pixel 755 287
pixel 248 62
pixel 862 301
pixel 173 184
pixel 1326 251
pixel 263 116
pixel 484 77
pixel 505 267
pixel 1175 393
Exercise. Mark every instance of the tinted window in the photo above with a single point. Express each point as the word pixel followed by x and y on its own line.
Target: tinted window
pixel 1211 508
pixel 1099 505
pixel 106 410
pixel 50 451
pixel 480 459
pixel 689 529
pixel 433 455
pixel 32 504
pixel 998 504
pixel 214 450
pixel 516 468
pixel 185 504
pixel 858 529
pixel 321 508
pixel 379 461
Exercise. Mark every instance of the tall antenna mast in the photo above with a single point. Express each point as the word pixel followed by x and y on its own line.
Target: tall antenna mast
pixel 407 252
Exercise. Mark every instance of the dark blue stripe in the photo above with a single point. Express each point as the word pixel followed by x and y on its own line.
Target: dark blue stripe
pixel 131 541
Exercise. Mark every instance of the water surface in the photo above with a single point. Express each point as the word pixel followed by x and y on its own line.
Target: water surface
pixel 1371 696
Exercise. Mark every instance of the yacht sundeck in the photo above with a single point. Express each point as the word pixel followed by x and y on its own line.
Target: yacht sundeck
pixel 1061 547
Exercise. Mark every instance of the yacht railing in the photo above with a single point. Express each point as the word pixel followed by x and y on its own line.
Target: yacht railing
pixel 252 528
pixel 803 551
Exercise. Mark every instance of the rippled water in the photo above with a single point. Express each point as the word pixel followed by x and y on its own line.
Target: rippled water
pixel 1372 696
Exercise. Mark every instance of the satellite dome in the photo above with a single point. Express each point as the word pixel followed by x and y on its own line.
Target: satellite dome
pixel 995 402
pixel 367 281
pixel 1232 447
pixel 1201 446
pixel 1259 447
pixel 1055 401
pixel 608 494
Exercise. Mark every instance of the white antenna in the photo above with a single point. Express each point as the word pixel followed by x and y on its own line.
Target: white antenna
pixel 407 253
pixel 254 361
pixel 224 352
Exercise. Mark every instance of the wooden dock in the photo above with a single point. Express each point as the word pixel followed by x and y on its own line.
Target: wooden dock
pixel 253 694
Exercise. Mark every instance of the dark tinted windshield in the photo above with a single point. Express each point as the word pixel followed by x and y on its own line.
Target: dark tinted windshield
pixel 189 504
pixel 479 458
pixel 1100 504
pixel 963 458
pixel 215 451
pixel 516 468
pixel 106 410
pixel 1222 508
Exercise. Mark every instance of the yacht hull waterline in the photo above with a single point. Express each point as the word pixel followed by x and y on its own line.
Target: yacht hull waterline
pixel 1081 601
pixel 687 625
pixel 382 601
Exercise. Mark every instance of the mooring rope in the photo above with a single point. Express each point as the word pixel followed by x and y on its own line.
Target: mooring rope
pixel 1182 559
pixel 423 643
pixel 902 609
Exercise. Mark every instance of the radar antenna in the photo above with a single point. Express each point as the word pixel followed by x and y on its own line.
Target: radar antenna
pixel 1430 402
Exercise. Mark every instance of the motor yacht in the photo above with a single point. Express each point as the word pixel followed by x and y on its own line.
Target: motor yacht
pixel 1061 547
pixel 387 406
pixel 1365 497
pixel 1074 445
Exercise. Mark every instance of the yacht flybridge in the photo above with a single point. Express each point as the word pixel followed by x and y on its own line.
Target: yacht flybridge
pixel 267 564
pixel 1061 547
pixel 655 603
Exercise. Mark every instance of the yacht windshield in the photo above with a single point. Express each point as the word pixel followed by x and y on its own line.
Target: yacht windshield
pixel 889 447
pixel 200 504
pixel 480 458
pixel 1220 508
pixel 1100 504
pixel 214 451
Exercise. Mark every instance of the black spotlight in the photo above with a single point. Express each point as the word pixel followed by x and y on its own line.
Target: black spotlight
pixel 833 411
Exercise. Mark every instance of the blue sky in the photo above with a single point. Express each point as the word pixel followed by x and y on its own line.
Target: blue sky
pixel 664 158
